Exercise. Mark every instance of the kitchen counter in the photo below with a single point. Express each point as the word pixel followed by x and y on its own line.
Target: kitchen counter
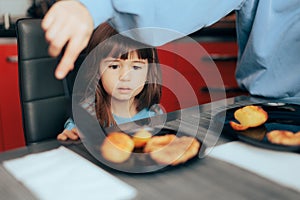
pixel 9 30
pixel 7 33
pixel 8 40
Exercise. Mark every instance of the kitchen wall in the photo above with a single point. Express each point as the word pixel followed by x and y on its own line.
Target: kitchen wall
pixel 14 7
pixel 10 12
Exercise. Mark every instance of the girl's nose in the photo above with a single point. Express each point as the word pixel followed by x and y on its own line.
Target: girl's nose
pixel 125 73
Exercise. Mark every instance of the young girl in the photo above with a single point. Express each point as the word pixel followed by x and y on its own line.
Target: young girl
pixel 129 87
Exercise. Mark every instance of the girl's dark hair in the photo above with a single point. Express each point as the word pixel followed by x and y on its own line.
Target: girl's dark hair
pixel 108 43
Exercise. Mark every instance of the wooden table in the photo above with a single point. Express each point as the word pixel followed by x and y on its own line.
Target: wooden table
pixel 206 178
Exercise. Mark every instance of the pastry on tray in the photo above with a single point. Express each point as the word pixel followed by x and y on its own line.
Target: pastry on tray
pixel 249 117
pixel 172 150
pixel 167 149
pixel 141 138
pixel 117 147
pixel 284 137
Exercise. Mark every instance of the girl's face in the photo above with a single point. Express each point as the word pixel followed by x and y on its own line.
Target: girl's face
pixel 124 79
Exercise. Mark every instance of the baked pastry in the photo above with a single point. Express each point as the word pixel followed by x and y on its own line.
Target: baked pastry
pixel 117 147
pixel 172 150
pixel 284 137
pixel 249 116
pixel 141 137
pixel 158 142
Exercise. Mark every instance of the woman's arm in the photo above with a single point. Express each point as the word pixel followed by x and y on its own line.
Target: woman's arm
pixel 180 16
pixel 72 23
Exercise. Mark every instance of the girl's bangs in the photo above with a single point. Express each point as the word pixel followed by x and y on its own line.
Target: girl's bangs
pixel 123 49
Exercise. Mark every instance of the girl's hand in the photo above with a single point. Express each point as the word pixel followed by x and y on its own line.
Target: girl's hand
pixel 68 134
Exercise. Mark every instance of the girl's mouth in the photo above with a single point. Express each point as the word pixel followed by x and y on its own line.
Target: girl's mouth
pixel 124 90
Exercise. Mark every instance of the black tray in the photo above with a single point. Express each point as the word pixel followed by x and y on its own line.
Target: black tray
pixel 281 116
pixel 140 162
pixel 92 136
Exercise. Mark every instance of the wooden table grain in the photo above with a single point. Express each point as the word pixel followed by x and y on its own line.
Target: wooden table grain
pixel 205 178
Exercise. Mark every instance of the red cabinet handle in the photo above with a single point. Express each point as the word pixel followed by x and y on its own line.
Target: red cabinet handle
pixel 12 59
pixel 219 57
pixel 220 89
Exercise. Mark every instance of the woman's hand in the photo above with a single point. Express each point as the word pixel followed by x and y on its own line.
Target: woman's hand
pixel 67 23
pixel 68 134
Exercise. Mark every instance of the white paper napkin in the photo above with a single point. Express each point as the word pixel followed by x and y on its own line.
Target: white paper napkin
pixel 63 174
pixel 280 167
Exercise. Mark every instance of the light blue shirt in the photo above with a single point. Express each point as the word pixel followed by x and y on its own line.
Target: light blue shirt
pixel 145 113
pixel 268 34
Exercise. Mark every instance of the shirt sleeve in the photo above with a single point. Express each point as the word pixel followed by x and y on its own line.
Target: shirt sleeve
pixel 69 125
pixel 181 17
pixel 100 11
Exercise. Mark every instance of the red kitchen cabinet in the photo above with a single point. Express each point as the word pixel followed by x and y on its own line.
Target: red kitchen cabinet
pixel 224 55
pixel 167 60
pixel 202 68
pixel 11 130
pixel 177 73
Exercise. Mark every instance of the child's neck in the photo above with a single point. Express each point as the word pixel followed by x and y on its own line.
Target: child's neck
pixel 126 109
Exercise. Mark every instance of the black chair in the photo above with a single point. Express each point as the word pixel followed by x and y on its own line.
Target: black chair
pixel 45 101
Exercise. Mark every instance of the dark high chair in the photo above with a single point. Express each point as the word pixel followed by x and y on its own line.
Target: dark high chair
pixel 45 101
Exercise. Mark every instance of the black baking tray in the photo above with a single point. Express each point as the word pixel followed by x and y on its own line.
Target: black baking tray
pixel 281 116
pixel 92 136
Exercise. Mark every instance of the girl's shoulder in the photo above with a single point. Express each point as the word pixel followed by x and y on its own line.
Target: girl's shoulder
pixel 152 111
pixel 89 104
pixel 156 109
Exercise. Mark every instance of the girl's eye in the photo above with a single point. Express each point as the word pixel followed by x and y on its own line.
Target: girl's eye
pixel 136 67
pixel 114 66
